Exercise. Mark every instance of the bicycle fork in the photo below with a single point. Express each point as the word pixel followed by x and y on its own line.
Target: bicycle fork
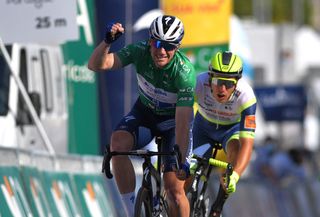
pixel 152 181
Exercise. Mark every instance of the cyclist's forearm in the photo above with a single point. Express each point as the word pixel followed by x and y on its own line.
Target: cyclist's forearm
pixel 183 120
pixel 244 155
pixel 101 59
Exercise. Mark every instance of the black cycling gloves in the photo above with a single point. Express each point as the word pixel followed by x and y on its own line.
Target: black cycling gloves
pixel 109 36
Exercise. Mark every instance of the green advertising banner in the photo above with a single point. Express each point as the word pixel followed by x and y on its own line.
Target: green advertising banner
pixel 35 192
pixel 60 194
pixel 94 198
pixel 83 133
pixel 200 55
pixel 13 201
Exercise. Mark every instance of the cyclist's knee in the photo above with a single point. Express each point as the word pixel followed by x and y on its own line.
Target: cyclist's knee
pixel 175 191
pixel 176 195
pixel 121 141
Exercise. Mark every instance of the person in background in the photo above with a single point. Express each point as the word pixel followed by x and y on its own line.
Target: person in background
pixel 166 81
pixel 283 165
pixel 226 114
pixel 262 154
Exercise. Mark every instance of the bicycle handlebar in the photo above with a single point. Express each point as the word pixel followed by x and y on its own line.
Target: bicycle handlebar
pixel 141 153
pixel 217 163
pixel 212 161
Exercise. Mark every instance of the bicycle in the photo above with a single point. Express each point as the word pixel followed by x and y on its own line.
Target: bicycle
pixel 151 199
pixel 197 193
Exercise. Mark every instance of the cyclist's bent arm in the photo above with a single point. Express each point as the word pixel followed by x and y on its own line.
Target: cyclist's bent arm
pixel 101 59
pixel 244 155
pixel 183 120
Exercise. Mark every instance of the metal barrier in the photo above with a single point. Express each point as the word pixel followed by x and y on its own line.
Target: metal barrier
pixel 39 184
pixel 254 198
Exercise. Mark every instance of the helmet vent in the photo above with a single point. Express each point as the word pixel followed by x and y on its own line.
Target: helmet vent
pixel 175 30
pixel 167 28
pixel 226 57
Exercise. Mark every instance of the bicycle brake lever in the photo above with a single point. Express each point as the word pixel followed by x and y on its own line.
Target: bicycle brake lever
pixel 106 163
pixel 229 173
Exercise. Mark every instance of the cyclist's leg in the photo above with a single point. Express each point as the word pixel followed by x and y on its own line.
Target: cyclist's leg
pixel 146 140
pixel 204 134
pixel 177 200
pixel 123 139
pixel 201 144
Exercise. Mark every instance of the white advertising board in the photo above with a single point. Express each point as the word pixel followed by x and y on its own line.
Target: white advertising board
pixel 38 21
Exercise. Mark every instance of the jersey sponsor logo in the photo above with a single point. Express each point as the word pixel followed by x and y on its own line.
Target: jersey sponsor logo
pixel 129 118
pixel 188 90
pixel 160 92
pixel 237 93
pixel 185 98
pixel 250 122
pixel 186 68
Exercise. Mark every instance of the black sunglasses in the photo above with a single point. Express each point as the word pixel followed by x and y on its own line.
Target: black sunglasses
pixel 162 44
pixel 228 83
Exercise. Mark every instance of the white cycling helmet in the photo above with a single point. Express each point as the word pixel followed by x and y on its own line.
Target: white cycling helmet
pixel 167 28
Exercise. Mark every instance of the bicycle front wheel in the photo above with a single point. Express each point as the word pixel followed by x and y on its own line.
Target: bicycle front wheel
pixel 142 206
pixel 199 202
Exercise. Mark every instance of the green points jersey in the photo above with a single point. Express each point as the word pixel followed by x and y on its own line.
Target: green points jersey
pixel 161 89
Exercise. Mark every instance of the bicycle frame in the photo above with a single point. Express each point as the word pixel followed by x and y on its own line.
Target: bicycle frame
pixel 202 174
pixel 149 172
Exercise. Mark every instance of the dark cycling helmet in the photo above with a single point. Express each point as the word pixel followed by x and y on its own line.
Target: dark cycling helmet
pixel 226 64
pixel 167 28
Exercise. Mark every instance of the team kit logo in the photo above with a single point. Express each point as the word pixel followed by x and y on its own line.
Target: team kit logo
pixel 250 122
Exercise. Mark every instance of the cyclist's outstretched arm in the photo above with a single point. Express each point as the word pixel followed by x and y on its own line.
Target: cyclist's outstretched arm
pixel 101 59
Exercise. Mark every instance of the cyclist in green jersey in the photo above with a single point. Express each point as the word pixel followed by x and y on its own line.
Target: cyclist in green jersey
pixel 166 81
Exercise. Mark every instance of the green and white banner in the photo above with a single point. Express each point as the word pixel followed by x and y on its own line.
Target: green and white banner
pixel 13 201
pixel 83 130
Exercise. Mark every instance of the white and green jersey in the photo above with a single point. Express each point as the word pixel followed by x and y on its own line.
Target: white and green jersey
pixel 161 89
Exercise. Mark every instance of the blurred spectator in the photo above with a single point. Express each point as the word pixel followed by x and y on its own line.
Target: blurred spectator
pixel 273 165
pixel 287 164
pixel 263 154
pixel 278 166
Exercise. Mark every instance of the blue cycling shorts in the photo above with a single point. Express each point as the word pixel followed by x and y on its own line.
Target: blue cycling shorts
pixel 144 125
pixel 206 133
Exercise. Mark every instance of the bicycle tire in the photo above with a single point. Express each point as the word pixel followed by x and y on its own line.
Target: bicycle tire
pixel 192 201
pixel 142 206
pixel 199 204
pixel 198 208
pixel 164 206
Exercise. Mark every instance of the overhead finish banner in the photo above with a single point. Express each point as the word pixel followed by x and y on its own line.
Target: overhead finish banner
pixel 206 21
pixel 50 21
